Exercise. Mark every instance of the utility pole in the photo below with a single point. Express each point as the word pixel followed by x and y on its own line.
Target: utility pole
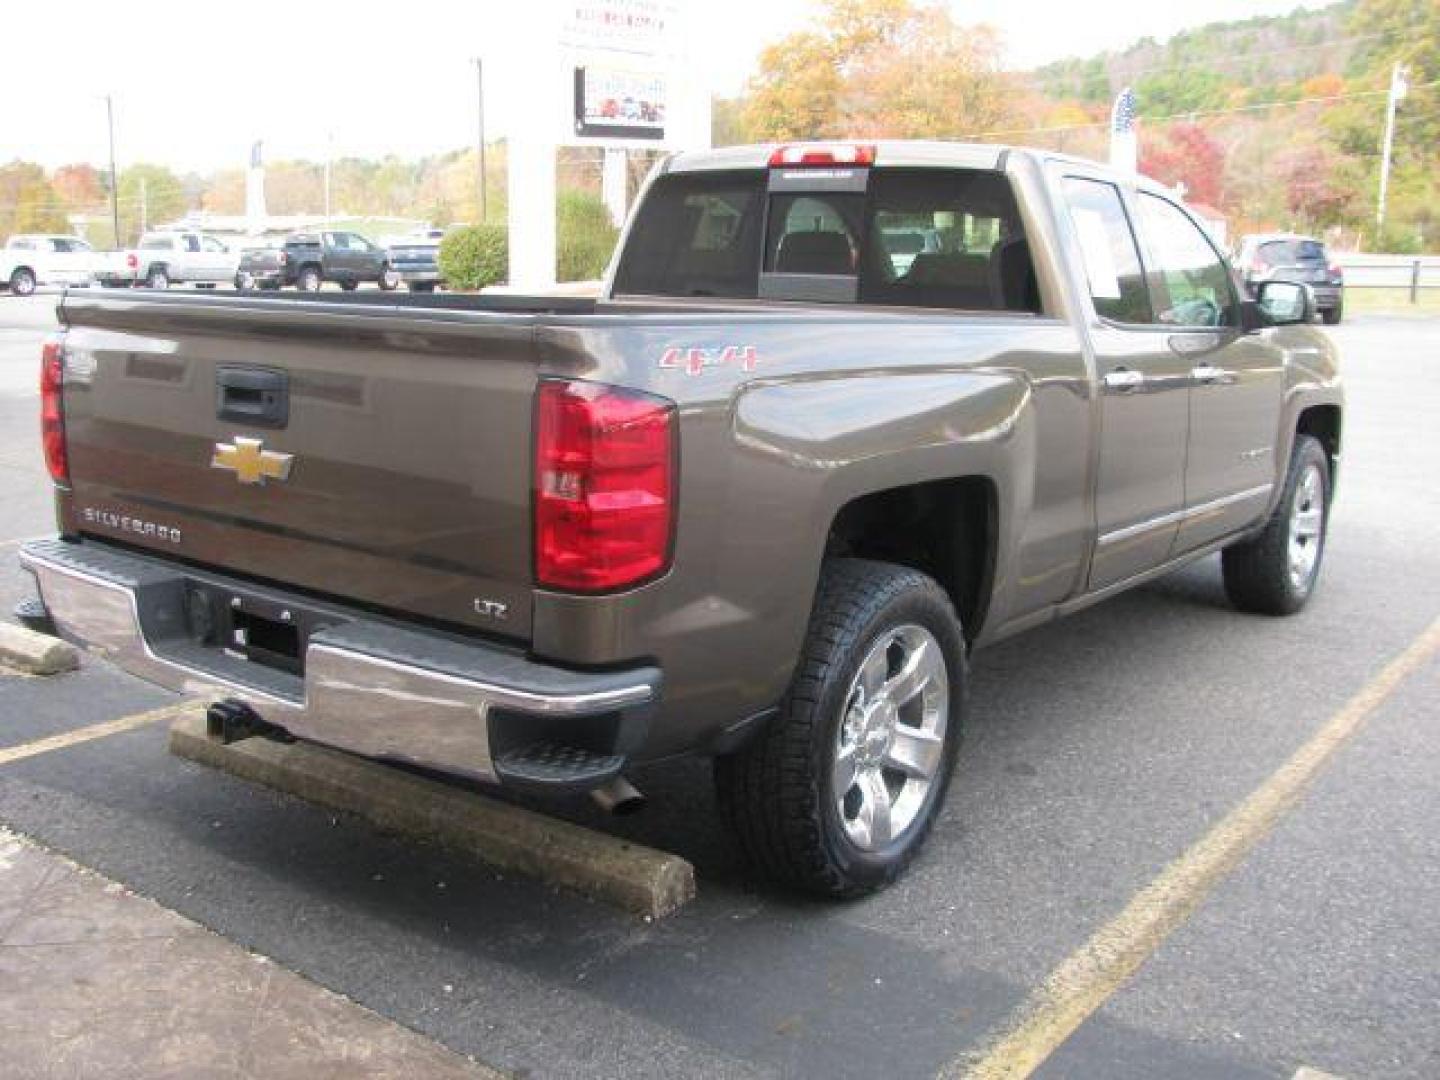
pixel 329 154
pixel 480 132
pixel 144 208
pixel 1398 89
pixel 114 181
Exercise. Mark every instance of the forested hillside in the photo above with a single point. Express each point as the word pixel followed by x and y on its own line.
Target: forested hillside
pixel 1276 121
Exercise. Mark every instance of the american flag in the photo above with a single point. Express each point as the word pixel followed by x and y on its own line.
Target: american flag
pixel 1122 117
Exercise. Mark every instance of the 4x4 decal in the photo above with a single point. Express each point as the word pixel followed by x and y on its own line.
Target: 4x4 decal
pixel 694 360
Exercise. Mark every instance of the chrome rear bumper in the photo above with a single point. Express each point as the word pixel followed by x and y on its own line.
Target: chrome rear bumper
pixel 369 686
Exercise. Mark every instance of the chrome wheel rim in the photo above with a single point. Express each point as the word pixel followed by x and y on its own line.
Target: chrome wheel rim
pixel 890 741
pixel 1307 528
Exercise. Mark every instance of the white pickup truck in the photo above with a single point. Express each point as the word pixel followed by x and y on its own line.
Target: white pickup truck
pixel 32 259
pixel 165 258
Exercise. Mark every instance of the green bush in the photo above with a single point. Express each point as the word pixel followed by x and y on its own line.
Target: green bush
pixel 584 236
pixel 475 256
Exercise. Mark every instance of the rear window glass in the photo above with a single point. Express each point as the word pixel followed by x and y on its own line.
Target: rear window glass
pixel 947 238
pixel 697 236
pixel 65 244
pixel 1290 252
pixel 155 243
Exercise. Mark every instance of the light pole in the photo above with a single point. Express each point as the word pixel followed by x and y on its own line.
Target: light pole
pixel 114 180
pixel 480 132
pixel 1398 89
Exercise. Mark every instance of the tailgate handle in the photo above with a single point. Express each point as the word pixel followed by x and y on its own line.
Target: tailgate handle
pixel 254 396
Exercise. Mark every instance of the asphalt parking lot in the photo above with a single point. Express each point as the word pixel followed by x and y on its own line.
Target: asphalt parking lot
pixel 1100 749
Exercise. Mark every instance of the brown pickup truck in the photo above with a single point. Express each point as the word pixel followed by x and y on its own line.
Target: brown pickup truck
pixel 842 414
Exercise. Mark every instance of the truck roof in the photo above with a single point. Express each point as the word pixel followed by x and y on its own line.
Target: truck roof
pixel 896 153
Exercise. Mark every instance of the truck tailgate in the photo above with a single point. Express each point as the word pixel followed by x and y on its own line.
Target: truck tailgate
pixel 395 472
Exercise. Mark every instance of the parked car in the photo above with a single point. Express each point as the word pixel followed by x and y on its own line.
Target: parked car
pixel 169 257
pixel 1290 257
pixel 308 260
pixel 415 259
pixel 32 259
pixel 757 502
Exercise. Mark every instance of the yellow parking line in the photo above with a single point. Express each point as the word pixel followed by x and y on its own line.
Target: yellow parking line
pixel 1092 974
pixel 94 731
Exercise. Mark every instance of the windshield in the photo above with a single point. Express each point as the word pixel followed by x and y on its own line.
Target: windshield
pixel 1291 252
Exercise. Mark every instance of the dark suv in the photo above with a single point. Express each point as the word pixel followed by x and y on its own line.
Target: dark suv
pixel 1288 257
pixel 308 260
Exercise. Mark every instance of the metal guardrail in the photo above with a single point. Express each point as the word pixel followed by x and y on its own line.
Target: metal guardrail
pixel 1412 273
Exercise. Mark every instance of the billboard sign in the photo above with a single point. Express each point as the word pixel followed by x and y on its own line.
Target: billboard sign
pixel 640 27
pixel 613 103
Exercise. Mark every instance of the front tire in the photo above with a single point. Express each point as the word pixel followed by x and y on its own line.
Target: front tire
pixel 22 282
pixel 389 281
pixel 1275 572
pixel 308 279
pixel 838 794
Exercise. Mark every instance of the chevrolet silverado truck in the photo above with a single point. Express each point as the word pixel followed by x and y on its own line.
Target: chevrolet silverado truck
pixel 758 501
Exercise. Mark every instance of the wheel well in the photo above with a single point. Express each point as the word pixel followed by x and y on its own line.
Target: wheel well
pixel 1323 423
pixel 945 528
pixel 15 270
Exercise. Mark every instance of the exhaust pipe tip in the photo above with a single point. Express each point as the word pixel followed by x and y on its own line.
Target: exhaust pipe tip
pixel 618 797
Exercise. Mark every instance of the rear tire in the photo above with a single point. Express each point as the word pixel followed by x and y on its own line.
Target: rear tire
pixel 849 713
pixel 157 277
pixel 421 286
pixel 389 280
pixel 349 286
pixel 1332 316
pixel 308 280
pixel 1275 572
pixel 22 282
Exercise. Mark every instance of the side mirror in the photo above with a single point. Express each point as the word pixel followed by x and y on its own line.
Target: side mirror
pixel 1285 303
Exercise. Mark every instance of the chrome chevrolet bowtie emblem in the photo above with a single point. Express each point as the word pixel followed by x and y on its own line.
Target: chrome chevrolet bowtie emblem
pixel 250 462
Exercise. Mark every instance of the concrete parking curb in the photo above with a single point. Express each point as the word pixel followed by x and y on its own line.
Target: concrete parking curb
pixel 35 654
pixel 633 877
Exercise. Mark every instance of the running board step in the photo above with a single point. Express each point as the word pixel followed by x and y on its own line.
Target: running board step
pixel 554 765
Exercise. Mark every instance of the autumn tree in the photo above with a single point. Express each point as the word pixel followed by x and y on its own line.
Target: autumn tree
pixel 80 186
pixel 225 193
pixel 150 195
pixel 878 68
pixel 1185 154
pixel 28 203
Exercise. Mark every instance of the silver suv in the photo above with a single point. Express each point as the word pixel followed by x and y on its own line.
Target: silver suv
pixel 1290 257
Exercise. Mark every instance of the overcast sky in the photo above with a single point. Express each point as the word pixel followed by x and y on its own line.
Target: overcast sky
pixel 195 83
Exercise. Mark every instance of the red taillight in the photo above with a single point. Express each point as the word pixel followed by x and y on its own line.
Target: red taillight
pixel 132 261
pixel 604 486
pixel 823 154
pixel 52 411
pixel 1336 274
pixel 284 258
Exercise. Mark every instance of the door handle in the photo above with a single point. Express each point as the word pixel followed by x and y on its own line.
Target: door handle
pixel 1209 373
pixel 1123 381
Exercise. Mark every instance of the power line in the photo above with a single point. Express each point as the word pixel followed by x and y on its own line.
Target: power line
pixel 1199 62
pixel 1190 114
